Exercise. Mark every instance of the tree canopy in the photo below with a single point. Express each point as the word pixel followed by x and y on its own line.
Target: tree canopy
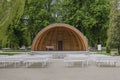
pixel 114 30
pixel 10 13
pixel 21 20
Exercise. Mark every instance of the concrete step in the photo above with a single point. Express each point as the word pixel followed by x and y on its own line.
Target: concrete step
pixel 58 54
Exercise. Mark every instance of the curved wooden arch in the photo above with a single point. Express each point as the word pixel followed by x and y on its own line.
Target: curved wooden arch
pixel 73 39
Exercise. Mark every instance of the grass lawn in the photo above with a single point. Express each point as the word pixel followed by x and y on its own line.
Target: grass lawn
pixel 12 52
pixel 103 51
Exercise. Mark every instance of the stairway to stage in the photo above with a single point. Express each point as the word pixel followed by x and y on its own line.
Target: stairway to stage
pixel 58 54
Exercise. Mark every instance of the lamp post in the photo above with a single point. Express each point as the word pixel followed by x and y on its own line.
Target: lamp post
pixel 25 22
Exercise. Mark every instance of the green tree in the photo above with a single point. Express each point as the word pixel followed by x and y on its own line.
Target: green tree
pixel 36 16
pixel 114 30
pixel 10 13
pixel 91 17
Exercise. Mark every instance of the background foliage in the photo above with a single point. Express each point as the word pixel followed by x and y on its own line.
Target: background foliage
pixel 21 20
pixel 114 30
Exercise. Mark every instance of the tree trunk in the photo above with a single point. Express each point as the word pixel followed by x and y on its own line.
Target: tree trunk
pixel 119 50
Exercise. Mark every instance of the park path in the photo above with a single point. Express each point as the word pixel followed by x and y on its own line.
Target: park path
pixel 58 71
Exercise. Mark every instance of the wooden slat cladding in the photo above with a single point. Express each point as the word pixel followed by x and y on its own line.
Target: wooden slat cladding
pixel 60 36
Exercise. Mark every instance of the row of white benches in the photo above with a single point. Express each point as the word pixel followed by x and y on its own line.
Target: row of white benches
pixel 24 60
pixel 70 60
pixel 86 60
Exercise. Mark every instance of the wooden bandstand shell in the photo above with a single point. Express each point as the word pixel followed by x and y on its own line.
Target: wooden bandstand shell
pixel 60 37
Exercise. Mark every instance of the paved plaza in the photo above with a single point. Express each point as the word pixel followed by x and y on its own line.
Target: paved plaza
pixel 57 70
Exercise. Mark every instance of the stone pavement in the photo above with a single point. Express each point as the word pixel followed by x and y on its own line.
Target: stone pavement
pixel 58 71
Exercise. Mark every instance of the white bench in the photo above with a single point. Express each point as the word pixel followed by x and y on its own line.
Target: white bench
pixel 40 59
pixel 24 60
pixel 6 61
pixel 81 59
pixel 107 61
